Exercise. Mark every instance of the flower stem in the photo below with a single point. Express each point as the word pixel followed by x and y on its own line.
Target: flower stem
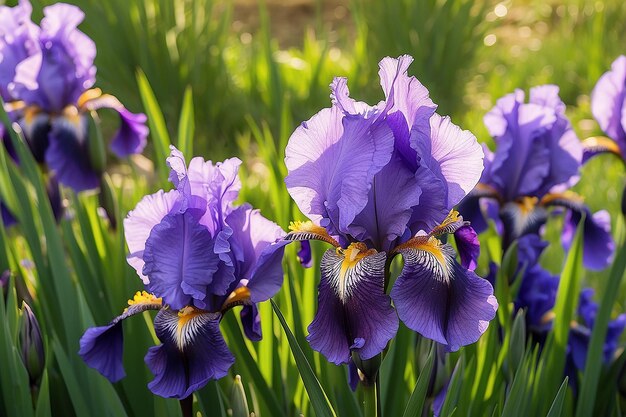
pixel 186 406
pixel 370 403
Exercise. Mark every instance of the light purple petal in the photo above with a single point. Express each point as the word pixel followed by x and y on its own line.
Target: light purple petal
pixel 331 161
pixel 607 102
pixel 132 135
pixel 442 301
pixel 139 223
pixel 353 313
pixel 179 262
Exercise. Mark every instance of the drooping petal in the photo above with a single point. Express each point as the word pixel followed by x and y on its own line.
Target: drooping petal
pixel 353 313
pixel 139 223
pixel 438 298
pixel 36 128
pixel 607 102
pixel 102 347
pixel 305 255
pixel 68 155
pixel 598 244
pixel 332 159
pixel 468 245
pixel 521 217
pixel 193 351
pixel 452 154
pixel 179 262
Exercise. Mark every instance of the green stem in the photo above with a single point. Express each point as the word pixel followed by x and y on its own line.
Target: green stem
pixel 371 403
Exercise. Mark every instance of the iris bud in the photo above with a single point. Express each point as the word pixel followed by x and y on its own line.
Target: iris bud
pixel 238 400
pixel 31 345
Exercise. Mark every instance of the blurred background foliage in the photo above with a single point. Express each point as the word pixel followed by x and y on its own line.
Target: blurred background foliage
pixel 256 70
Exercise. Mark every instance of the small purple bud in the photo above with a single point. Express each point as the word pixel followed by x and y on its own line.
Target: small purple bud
pixel 31 345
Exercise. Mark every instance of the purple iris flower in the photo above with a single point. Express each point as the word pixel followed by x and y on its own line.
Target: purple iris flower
pixel 375 182
pixel 198 256
pixel 46 77
pixel 608 105
pixel 537 160
pixel 538 287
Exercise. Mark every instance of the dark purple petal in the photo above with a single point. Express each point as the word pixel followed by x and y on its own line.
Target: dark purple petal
pixel 598 244
pixel 607 102
pixel 471 211
pixel 353 376
pixel 353 312
pixel 251 322
pixel 139 223
pixel 537 294
pixel 468 246
pixel 102 347
pixel 304 254
pixel 56 199
pixel 132 136
pixel 36 128
pixel 178 261
pixel 68 154
pixel 7 217
pixel 441 300
pixel 193 352
pixel 332 159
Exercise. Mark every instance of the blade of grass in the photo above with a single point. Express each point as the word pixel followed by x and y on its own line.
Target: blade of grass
pixel 416 403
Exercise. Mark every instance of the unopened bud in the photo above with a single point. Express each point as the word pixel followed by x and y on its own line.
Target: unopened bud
pixel 238 400
pixel 31 345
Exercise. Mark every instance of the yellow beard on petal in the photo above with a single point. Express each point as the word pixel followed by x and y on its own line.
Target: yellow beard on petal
pixel 351 256
pixel 314 231
pixel 144 297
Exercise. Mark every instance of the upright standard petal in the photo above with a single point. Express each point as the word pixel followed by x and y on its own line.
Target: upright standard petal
pixel 179 262
pixel 438 298
pixel 101 347
pixel 353 313
pixel 332 159
pixel 139 223
pixel 192 352
pixel 454 155
pixel 608 102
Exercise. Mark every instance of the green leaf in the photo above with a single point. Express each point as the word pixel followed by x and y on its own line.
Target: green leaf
pixel 593 365
pixel 43 400
pixel 319 399
pixel 557 404
pixel 158 130
pixel 186 125
pixel 416 403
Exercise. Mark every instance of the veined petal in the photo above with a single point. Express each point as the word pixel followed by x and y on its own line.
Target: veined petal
pixel 452 154
pixel 102 347
pixel 607 102
pixel 307 230
pixel 522 216
pixel 438 298
pixel 331 160
pixel 193 351
pixel 353 313
pixel 179 262
pixel 141 220
pixel 68 155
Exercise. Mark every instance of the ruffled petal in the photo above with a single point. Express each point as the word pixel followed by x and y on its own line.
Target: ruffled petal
pixel 178 261
pixel 452 154
pixel 353 313
pixel 332 159
pixel 68 154
pixel 438 298
pixel 607 101
pixel 102 347
pixel 193 352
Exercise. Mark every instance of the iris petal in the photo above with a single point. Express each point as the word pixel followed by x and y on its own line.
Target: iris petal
pixel 193 351
pixel 352 306
pixel 607 101
pixel 102 347
pixel 439 299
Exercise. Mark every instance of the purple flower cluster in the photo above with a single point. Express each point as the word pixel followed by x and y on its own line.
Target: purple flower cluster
pixel 46 80
pixel 537 159
pixel 380 181
pixel 198 256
